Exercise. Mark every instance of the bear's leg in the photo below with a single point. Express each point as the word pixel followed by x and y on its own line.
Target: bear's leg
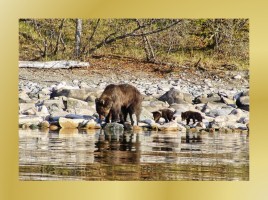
pixel 108 119
pixel 121 118
pixel 188 121
pixel 138 112
pixel 124 112
pixel 125 116
pixel 138 118
pixel 164 115
pixel 131 118
pixel 170 118
pixel 166 119
pixel 115 115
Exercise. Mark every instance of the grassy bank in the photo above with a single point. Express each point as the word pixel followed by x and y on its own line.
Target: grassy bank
pixel 217 43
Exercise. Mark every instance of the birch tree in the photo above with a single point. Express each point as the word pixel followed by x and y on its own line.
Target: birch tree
pixel 78 34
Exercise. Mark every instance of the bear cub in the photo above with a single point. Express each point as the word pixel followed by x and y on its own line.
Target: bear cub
pixel 191 115
pixel 165 113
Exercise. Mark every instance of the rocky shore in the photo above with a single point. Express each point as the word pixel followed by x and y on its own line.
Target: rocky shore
pixel 67 102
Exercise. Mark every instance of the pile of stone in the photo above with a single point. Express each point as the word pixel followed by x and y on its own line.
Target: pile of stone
pixel 72 105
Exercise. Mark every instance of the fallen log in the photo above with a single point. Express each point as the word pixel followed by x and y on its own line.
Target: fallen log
pixel 62 64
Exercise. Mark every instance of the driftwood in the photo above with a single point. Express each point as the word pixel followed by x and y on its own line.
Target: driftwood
pixel 62 64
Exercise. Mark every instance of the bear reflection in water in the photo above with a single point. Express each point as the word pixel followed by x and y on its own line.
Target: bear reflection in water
pixel 165 143
pixel 193 138
pixel 174 144
pixel 117 148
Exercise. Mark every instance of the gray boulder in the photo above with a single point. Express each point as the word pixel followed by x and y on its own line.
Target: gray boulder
pixel 72 103
pixel 223 111
pixel 243 102
pixel 184 107
pixel 81 94
pixel 58 113
pixel 243 120
pixel 54 103
pixel 30 120
pixel 113 127
pixel 44 93
pixel 25 106
pixel 145 114
pixel 207 107
pixel 24 98
pixel 43 96
pixel 245 93
pixel 55 107
pixel 210 98
pixel 240 113
pixel 155 105
pixel 85 117
pixel 228 101
pixel 175 96
pixel 31 111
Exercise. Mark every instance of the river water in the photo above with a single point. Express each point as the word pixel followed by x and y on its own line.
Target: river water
pixel 148 155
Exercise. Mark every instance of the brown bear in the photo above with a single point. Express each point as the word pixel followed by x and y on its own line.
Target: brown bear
pixel 165 113
pixel 191 115
pixel 117 101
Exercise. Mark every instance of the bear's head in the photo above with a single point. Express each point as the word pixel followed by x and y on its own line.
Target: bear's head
pixel 103 106
pixel 157 115
pixel 183 116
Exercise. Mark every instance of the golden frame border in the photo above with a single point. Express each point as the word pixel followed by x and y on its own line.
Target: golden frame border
pixel 12 188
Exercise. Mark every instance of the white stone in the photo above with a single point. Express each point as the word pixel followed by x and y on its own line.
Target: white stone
pixel 43 110
pixel 30 120
pixel 237 77
pixel 46 91
pixel 75 82
pixel 70 123
pixel 91 124
pixel 148 121
pixel 171 126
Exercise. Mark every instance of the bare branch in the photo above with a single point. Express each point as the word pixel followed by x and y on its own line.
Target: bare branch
pixel 59 37
pixel 157 30
pixel 150 56
pixel 94 30
pixel 133 33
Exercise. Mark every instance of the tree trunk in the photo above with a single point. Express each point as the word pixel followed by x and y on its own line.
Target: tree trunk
pixel 59 64
pixel 91 36
pixel 78 34
pixel 59 37
pixel 150 56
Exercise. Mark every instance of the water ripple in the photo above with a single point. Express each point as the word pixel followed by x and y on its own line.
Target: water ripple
pixel 130 156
